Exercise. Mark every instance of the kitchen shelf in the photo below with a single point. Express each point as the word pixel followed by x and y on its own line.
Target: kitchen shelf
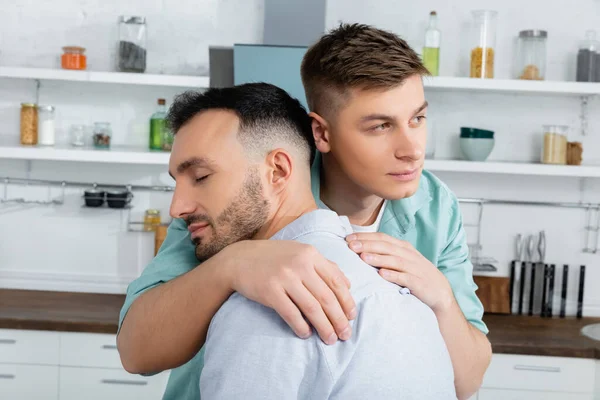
pixel 187 81
pixel 513 168
pixel 115 155
pixel 514 86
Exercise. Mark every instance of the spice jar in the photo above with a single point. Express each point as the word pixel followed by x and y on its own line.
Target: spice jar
pixel 78 133
pixel 46 133
pixel 151 220
pixel 482 51
pixel 102 135
pixel 73 58
pixel 29 124
pixel 132 44
pixel 588 59
pixel 531 58
pixel 554 149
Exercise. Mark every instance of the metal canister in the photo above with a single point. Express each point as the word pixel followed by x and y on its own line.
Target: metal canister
pixel 29 124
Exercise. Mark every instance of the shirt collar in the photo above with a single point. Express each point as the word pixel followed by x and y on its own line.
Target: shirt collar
pixel 397 212
pixel 315 221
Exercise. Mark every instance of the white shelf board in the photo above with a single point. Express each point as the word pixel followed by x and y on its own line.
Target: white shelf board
pixel 442 83
pixel 105 77
pixel 115 155
pixel 513 168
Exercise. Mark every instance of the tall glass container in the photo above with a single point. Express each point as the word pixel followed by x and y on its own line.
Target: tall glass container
pixel 482 49
pixel 588 59
pixel 132 44
pixel 431 50
pixel 531 58
pixel 46 134
pixel 29 123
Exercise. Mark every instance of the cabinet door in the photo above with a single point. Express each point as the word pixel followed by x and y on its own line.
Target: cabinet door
pixel 112 384
pixel 501 394
pixel 28 382
pixel 89 350
pixel 28 347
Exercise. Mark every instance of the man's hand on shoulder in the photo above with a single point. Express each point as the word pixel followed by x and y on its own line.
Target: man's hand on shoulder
pixel 295 280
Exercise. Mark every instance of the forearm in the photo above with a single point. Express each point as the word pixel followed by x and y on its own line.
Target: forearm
pixel 166 326
pixel 470 350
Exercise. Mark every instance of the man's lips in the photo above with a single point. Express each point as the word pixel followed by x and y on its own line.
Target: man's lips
pixel 406 175
pixel 197 228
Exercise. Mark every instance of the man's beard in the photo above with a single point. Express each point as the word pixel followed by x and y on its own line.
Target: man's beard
pixel 241 220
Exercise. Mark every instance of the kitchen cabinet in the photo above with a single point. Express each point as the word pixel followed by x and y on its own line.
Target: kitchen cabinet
pixel 63 365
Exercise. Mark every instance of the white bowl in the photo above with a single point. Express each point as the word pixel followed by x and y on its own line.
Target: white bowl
pixel 476 149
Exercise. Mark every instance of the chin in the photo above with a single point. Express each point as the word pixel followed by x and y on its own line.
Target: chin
pixel 398 192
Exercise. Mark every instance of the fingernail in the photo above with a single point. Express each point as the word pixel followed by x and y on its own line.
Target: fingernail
pixel 332 339
pixel 367 257
pixel 351 238
pixel 305 335
pixel 385 273
pixel 355 245
pixel 352 313
pixel 346 333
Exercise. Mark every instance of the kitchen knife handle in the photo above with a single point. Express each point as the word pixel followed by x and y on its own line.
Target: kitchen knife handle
pixel 563 296
pixel 550 291
pixel 531 289
pixel 545 290
pixel 522 287
pixel 511 294
pixel 580 296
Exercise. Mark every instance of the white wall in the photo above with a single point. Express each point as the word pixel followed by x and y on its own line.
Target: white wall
pixel 34 241
pixel 517 121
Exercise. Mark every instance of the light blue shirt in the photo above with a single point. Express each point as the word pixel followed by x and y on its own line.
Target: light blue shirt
pixel 396 350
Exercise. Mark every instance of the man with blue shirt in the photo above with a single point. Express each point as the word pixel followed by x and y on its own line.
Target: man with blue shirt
pixel 368 112
pixel 241 162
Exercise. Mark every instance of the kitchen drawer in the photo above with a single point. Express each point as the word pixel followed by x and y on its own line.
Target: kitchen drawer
pixel 553 374
pixel 28 347
pixel 499 394
pixel 89 350
pixel 28 382
pixel 112 384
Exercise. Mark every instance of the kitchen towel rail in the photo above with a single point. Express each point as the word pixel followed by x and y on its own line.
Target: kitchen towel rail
pixel 66 184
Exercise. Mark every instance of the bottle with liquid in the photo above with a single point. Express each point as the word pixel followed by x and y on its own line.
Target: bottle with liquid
pixel 158 126
pixel 431 51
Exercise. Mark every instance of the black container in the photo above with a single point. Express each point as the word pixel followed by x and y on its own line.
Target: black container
pixel 94 197
pixel 118 198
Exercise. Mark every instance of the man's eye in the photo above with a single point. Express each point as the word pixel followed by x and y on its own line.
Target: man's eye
pixel 201 178
pixel 381 127
pixel 419 119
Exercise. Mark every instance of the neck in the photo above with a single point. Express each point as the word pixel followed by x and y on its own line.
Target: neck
pixel 345 197
pixel 294 203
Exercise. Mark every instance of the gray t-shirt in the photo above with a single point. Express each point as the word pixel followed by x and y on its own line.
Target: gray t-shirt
pixel 396 350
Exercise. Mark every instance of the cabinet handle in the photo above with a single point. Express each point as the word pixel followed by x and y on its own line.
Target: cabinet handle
pixel 7 376
pixel 536 368
pixel 8 341
pixel 109 347
pixel 123 382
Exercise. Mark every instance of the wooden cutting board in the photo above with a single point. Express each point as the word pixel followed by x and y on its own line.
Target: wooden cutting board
pixel 494 293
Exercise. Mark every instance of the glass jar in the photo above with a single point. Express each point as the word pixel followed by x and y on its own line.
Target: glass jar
pixel 46 133
pixel 73 58
pixel 102 135
pixel 29 124
pixel 588 59
pixel 554 148
pixel 151 220
pixel 531 58
pixel 132 44
pixel 78 134
pixel 482 50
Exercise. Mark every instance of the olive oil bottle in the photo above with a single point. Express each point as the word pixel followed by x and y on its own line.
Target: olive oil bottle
pixel 431 50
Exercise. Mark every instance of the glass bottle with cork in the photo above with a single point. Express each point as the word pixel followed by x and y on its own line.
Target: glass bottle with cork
pixel 158 126
pixel 431 50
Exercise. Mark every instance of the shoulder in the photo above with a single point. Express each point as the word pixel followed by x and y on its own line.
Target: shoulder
pixel 440 193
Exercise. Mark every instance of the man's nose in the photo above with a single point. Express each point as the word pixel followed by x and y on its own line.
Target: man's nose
pixel 182 204
pixel 407 145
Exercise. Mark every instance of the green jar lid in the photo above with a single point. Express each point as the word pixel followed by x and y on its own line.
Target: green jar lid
pixel 475 133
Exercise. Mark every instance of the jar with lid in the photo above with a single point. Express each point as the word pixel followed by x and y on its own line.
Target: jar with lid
pixel 132 44
pixel 78 135
pixel 29 124
pixel 102 135
pixel 588 59
pixel 484 42
pixel 531 57
pixel 46 134
pixel 151 220
pixel 554 148
pixel 73 58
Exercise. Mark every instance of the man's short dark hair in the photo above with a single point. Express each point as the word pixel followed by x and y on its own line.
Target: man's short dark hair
pixel 268 115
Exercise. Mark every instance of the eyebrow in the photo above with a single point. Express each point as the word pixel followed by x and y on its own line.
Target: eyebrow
pixel 384 117
pixel 193 162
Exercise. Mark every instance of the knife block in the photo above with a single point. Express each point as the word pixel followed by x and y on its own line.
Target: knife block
pixel 494 293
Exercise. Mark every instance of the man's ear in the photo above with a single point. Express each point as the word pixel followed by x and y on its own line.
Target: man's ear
pixel 280 167
pixel 320 129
